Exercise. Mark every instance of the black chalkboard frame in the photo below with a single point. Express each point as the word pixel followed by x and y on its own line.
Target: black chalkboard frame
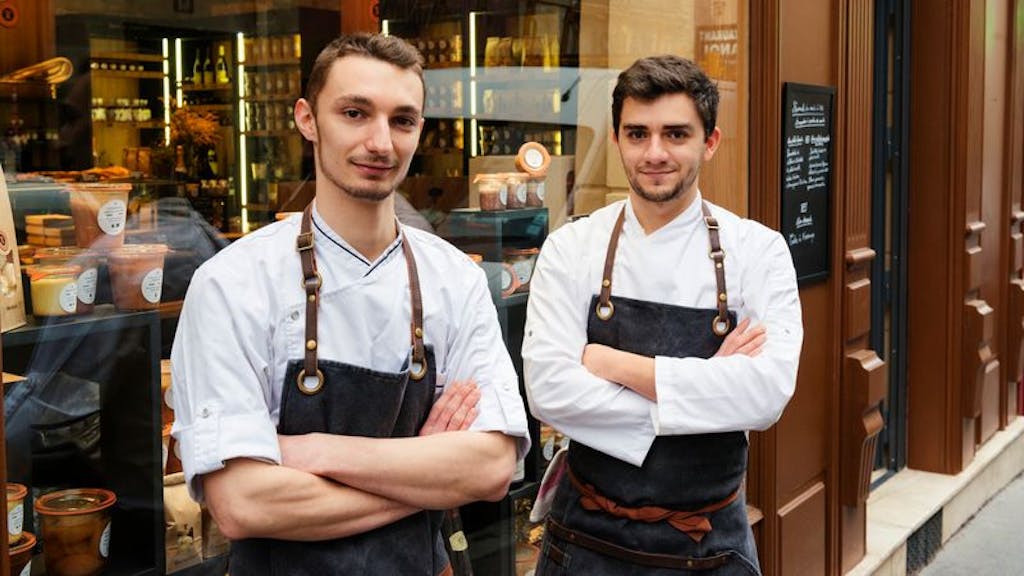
pixel 812 263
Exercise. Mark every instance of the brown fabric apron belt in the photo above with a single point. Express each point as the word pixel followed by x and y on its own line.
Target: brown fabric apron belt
pixel 447 571
pixel 635 557
pixel 693 523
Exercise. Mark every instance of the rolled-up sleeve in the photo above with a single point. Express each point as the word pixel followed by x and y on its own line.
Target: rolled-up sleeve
pixel 219 365
pixel 739 392
pixel 477 352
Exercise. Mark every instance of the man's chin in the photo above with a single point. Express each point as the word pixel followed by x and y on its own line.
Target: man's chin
pixel 369 194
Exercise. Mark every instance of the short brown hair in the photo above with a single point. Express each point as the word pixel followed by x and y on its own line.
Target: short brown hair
pixel 650 78
pixel 390 49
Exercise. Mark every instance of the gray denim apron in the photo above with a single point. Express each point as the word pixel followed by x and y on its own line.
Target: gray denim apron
pixel 353 401
pixel 681 473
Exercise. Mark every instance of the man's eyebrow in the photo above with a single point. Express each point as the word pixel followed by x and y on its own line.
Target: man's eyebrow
pixel 634 127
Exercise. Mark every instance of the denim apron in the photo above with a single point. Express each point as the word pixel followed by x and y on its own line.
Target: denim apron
pixel 680 473
pixel 337 398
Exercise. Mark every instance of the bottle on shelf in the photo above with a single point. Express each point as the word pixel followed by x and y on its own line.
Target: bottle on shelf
pixel 222 67
pixel 208 76
pixel 180 170
pixel 197 70
pixel 211 158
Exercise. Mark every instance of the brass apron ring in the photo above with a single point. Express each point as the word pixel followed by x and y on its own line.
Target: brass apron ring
pixel 604 312
pixel 720 326
pixel 301 381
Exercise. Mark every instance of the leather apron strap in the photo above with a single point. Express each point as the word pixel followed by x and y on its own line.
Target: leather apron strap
pixel 720 325
pixel 311 283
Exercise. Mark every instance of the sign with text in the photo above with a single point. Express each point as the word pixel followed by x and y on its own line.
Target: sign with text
pixel 807 177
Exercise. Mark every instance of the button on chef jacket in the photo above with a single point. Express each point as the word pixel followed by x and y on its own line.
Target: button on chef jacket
pixel 669 266
pixel 244 319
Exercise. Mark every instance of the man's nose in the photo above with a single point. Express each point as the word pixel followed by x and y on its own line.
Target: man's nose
pixel 655 151
pixel 379 138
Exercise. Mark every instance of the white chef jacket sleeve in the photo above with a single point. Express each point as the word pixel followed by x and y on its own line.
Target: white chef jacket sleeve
pixel 219 366
pixel 737 392
pixel 601 414
pixel 476 351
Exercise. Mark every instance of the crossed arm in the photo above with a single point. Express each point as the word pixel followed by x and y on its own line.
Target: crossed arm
pixel 636 372
pixel 336 486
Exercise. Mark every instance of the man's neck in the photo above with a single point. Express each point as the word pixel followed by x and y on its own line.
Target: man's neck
pixel 653 215
pixel 368 226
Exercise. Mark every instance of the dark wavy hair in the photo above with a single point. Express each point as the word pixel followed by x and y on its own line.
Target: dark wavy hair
pixel 390 49
pixel 655 76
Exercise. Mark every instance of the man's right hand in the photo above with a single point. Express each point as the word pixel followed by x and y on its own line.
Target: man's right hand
pixel 455 410
pixel 744 340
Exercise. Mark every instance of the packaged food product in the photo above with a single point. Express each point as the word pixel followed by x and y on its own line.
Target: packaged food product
pixel 136 276
pixel 183 530
pixel 75 528
pixel 15 511
pixel 86 260
pixel 515 184
pixel 99 211
pixel 21 554
pixel 533 158
pixel 522 261
pixel 54 289
pixel 535 191
pixel 493 192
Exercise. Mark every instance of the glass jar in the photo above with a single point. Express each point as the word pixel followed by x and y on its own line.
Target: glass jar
pixel 54 289
pixel 493 194
pixel 21 554
pixel 522 260
pixel 86 260
pixel 15 511
pixel 515 183
pixel 75 525
pixel 136 276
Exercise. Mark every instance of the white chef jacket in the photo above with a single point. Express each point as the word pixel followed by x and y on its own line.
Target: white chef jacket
pixel 243 320
pixel 669 266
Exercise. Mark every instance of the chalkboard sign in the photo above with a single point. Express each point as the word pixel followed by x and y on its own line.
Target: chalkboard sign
pixel 807 177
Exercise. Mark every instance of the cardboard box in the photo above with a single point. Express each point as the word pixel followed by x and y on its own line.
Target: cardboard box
pixel 12 301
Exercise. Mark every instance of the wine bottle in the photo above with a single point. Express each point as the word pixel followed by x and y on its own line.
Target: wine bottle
pixel 208 70
pixel 197 70
pixel 222 67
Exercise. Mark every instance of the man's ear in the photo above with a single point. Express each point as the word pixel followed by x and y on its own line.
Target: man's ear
pixel 305 119
pixel 711 144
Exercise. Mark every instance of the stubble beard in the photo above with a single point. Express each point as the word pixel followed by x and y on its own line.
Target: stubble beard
pixel 368 193
pixel 669 195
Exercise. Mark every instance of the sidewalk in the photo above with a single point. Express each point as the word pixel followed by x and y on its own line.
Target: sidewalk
pixel 989 544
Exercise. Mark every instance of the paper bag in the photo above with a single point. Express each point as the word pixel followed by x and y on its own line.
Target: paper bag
pixel 12 301
pixel 183 525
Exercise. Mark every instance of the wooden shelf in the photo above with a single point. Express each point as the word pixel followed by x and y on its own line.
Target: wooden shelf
pixel 270 63
pixel 271 133
pixel 210 107
pixel 207 87
pixel 272 98
pixel 129 75
pixel 128 56
pixel 136 125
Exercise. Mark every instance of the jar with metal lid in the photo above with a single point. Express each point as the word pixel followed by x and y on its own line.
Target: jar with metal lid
pixel 54 289
pixel 87 278
pixel 535 191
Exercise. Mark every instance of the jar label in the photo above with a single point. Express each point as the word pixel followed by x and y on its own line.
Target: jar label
pixel 549 449
pixel 27 570
pixel 534 159
pixel 151 284
pixel 111 216
pixel 68 299
pixel 16 519
pixel 524 270
pixel 521 193
pixel 87 286
pixel 506 279
pixel 503 195
pixel 105 542
pixel 540 191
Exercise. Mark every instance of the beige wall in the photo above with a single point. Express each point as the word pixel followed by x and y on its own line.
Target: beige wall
pixel 613 34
